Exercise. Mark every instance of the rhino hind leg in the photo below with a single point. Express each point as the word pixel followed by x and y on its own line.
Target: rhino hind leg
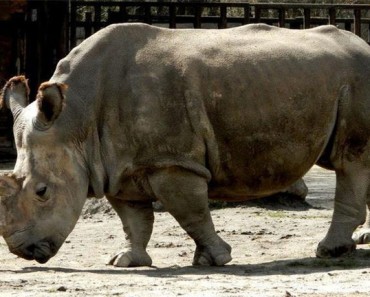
pixel 362 236
pixel 298 189
pixel 349 210
pixel 137 219
pixel 185 196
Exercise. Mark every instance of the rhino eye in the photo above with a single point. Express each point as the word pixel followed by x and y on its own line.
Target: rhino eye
pixel 41 190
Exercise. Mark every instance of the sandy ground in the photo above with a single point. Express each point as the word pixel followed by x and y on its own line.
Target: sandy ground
pixel 273 255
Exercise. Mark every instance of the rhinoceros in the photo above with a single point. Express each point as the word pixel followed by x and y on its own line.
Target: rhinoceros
pixel 138 113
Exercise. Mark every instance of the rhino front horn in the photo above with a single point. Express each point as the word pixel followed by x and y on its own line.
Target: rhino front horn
pixel 50 103
pixel 15 95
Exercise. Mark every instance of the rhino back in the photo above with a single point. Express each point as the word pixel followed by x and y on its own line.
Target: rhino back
pixel 251 108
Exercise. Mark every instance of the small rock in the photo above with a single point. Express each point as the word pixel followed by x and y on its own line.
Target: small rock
pixel 62 289
pixel 246 233
pixel 288 294
pixel 286 236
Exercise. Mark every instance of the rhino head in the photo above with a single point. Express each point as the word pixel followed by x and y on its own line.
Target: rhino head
pixel 40 202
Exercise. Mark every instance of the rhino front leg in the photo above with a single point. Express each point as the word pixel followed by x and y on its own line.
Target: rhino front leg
pixel 349 211
pixel 185 196
pixel 137 219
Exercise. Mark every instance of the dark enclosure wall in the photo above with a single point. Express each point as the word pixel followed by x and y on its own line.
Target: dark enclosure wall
pixel 36 34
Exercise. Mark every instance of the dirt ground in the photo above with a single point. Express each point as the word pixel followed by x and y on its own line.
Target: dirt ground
pixel 273 255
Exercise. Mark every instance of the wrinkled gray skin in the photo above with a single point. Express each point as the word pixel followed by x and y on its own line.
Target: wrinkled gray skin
pixel 182 115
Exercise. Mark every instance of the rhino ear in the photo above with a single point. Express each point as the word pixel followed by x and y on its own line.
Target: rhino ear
pixel 8 186
pixel 15 94
pixel 50 103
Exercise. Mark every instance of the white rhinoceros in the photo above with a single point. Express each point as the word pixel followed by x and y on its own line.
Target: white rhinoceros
pixel 138 113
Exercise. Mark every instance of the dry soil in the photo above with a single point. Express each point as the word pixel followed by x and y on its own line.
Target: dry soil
pixel 273 255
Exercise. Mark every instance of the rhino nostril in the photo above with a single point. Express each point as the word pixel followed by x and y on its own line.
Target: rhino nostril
pixel 31 249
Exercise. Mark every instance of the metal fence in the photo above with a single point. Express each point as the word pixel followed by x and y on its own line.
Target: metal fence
pixel 87 17
pixel 49 29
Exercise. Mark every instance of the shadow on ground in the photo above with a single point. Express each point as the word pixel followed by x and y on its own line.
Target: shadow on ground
pixel 359 260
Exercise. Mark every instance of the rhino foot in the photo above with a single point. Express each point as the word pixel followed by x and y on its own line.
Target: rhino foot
pixel 212 255
pixel 362 236
pixel 298 190
pixel 131 259
pixel 336 251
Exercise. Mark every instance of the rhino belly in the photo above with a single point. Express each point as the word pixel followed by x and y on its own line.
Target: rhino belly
pixel 263 150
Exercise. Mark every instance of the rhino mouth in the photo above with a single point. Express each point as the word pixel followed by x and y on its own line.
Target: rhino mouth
pixel 41 251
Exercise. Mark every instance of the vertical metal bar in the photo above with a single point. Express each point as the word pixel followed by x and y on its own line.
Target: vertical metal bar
pixel 307 18
pixel 111 17
pixel 257 14
pixel 282 17
pixel 223 17
pixel 172 9
pixel 148 13
pixel 97 19
pixel 357 21
pixel 197 16
pixel 123 13
pixel 347 26
pixel 247 14
pixel 88 24
pixel 332 16
pixel 73 25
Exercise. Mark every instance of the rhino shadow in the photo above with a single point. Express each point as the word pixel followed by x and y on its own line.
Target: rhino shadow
pixel 280 201
pixel 299 266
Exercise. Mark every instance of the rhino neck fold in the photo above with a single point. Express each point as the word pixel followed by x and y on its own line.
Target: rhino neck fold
pixel 96 171
pixel 2 217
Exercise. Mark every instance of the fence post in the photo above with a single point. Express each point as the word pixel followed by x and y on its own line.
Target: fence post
pixel 72 42
pixel 148 14
pixel 88 24
pixel 97 18
pixel 307 18
pixel 197 16
pixel 114 17
pixel 357 22
pixel 257 14
pixel 282 17
pixel 332 16
pixel 247 15
pixel 172 10
pixel 123 13
pixel 347 26
pixel 223 17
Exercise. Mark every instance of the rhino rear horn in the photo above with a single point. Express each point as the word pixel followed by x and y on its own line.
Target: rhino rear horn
pixel 15 95
pixel 50 103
